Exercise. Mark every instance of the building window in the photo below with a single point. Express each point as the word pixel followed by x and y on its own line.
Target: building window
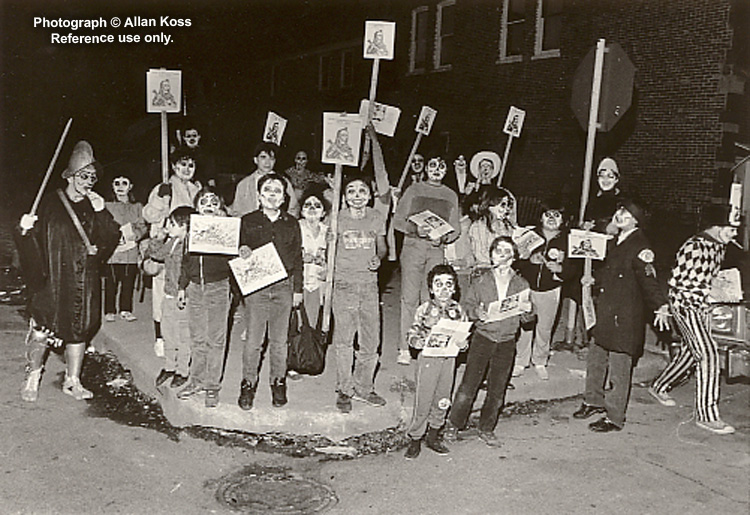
pixel 548 28
pixel 347 69
pixel 445 34
pixel 327 72
pixel 419 40
pixel 512 30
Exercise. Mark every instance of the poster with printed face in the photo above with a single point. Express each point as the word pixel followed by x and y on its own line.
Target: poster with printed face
pixel 163 91
pixel 214 234
pixel 275 127
pixel 384 117
pixel 342 134
pixel 511 305
pixel 446 338
pixel 380 37
pixel 436 227
pixel 263 268
pixel 583 244
pixel 527 240
pixel 426 119
pixel 514 122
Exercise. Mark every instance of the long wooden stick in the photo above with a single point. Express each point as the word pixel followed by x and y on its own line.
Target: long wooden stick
pixel 331 260
pixel 370 109
pixel 51 166
pixel 164 148
pixel 405 171
pixel 391 234
pixel 505 161
pixel 77 223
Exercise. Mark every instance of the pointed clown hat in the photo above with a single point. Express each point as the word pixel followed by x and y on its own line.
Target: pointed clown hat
pixel 82 156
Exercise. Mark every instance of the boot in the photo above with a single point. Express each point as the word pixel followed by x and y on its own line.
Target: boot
pixel 434 442
pixel 247 395
pixel 30 391
pixel 415 446
pixel 278 392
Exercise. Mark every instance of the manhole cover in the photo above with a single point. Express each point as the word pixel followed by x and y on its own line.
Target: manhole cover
pixel 272 490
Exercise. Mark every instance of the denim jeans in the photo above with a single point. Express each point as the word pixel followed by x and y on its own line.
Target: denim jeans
pixel 483 354
pixel 267 308
pixel 418 257
pixel 208 305
pixel 356 310
pixel 432 398
pixel 533 344
pixel 620 373
pixel 122 275
pixel 175 326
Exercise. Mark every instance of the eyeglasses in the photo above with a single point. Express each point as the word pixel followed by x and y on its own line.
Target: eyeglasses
pixel 87 176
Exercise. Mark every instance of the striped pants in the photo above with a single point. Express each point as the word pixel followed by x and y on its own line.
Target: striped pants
pixel 700 349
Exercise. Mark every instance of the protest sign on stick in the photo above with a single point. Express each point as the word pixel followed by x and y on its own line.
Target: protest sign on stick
pixel 513 126
pixel 326 323
pixel 163 95
pixel 274 129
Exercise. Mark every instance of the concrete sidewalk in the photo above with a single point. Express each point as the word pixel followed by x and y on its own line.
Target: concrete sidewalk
pixel 311 408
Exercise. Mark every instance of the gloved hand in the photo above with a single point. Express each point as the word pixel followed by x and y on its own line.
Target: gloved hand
pixel 97 201
pixel 27 222
pixel 165 190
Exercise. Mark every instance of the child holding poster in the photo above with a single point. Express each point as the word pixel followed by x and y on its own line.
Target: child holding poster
pixel 204 286
pixel 434 373
pixel 493 345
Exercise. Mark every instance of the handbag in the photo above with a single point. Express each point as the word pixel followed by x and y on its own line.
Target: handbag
pixel 306 353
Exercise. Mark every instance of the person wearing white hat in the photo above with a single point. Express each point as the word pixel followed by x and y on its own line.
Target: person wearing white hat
pixel 73 227
pixel 484 166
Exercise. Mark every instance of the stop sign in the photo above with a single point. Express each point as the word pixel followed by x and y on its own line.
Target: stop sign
pixel 617 87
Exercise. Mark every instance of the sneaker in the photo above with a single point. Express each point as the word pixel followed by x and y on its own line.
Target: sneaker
pixel 90 349
pixel 372 398
pixel 72 386
pixel 163 377
pixel 159 347
pixel 517 371
pixel 294 376
pixel 663 398
pixel 489 438
pixel 110 317
pixel 404 357
pixel 541 371
pixel 344 403
pixel 434 441
pixel 128 316
pixel 178 380
pixel 247 395
pixel 193 387
pixel 30 391
pixel 412 452
pixel 717 426
pixel 212 398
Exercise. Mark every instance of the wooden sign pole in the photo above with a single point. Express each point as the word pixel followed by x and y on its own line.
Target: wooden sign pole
pixel 370 109
pixel 164 147
pixel 391 234
pixel 505 160
pixel 331 259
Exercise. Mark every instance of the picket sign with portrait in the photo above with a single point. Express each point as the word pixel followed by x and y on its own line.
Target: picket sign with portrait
pixel 380 37
pixel 435 225
pixel 512 127
pixel 275 127
pixel 446 338
pixel 263 268
pixel 163 91
pixel 511 305
pixel 527 240
pixel 214 234
pixel 426 119
pixel 384 117
pixel 342 133
pixel 587 244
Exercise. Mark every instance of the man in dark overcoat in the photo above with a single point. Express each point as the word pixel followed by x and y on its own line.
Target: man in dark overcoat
pixel 624 286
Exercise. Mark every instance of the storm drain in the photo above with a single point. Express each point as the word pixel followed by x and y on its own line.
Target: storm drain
pixel 273 490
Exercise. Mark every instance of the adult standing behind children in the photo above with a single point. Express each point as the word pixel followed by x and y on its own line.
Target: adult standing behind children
pixel 246 195
pixel 356 303
pixel 624 285
pixel 421 252
pixel 697 264
pixel 61 271
pixel 122 267
pixel 301 177
pixel 267 310
pixel 179 190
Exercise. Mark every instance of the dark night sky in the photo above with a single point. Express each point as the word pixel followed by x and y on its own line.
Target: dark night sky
pixel 102 87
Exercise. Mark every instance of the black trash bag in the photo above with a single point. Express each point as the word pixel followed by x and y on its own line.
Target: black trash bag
pixel 307 345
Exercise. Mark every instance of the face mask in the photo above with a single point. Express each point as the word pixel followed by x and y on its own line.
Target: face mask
pixel 312 209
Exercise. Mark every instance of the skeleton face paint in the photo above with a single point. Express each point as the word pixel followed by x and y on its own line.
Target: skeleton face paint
pixel 121 186
pixel 502 255
pixel 312 209
pixel 552 219
pixel 265 162
pixel 436 169
pixel 607 179
pixel 417 163
pixel 271 195
pixel 357 194
pixel 300 160
pixel 209 204
pixel 443 287
pixel 502 210
pixel 184 168
pixel 191 138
